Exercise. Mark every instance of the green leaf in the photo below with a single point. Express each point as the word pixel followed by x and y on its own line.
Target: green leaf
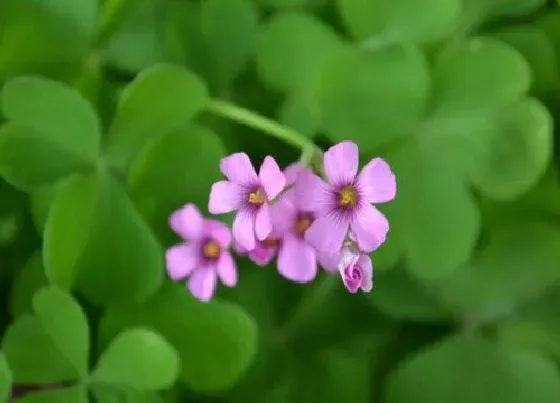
pixel 292 50
pixel 532 335
pixel 32 356
pixel 301 112
pixel 5 379
pixel 29 280
pixel 400 20
pixel 91 231
pixel 230 29
pixel 470 369
pixel 77 394
pixel 434 216
pixel 161 99
pixel 67 23
pixel 138 358
pixel 404 298
pixel 117 394
pixel 65 322
pixel 536 47
pixel 515 7
pixel 374 98
pixel 517 264
pixel 41 200
pixel 215 341
pixel 478 74
pixel 167 173
pixel 52 132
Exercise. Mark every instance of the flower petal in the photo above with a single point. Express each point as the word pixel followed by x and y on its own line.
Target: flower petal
pixel 297 260
pixel 225 197
pixel 263 223
pixel 227 270
pixel 218 231
pixel 244 229
pixel 181 260
pixel 238 169
pixel 370 227
pixel 311 193
pixel 341 163
pixel 327 233
pixel 262 255
pixel 376 182
pixel 328 261
pixel 367 272
pixel 283 213
pixel 202 283
pixel 271 177
pixel 292 171
pixel 187 222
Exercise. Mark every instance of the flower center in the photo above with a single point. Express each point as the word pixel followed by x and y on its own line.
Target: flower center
pixel 270 243
pixel 348 197
pixel 257 197
pixel 302 224
pixel 211 250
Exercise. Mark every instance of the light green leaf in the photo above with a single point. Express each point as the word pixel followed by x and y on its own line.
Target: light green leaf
pixel 216 341
pixel 470 369
pixel 5 379
pixel 374 98
pixel 118 394
pixel 301 112
pixel 41 200
pixel 66 324
pixel 52 132
pixel 532 335
pixel 517 263
pixel 292 50
pixel 400 20
pixel 77 394
pixel 28 280
pixel 434 216
pixel 167 173
pixel 478 74
pixel 537 48
pixel 32 356
pixel 91 231
pixel 230 29
pixel 138 358
pixel 160 100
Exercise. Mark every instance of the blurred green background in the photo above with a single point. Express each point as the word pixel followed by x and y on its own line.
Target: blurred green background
pixel 108 125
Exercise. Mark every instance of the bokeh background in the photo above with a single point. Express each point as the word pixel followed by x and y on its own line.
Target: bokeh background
pixel 109 124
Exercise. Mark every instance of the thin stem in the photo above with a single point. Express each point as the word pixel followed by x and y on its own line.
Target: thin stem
pixel 256 121
pixel 111 18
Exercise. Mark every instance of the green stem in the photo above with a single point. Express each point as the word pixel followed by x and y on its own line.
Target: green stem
pixel 256 121
pixel 111 18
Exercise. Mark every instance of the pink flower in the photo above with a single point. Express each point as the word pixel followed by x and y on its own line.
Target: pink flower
pixel 205 257
pixel 356 270
pixel 263 253
pixel 249 195
pixel 345 202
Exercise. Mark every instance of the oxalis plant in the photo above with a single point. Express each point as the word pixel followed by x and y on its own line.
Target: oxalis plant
pixel 176 175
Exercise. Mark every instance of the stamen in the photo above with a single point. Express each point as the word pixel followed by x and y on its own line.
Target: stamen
pixel 302 224
pixel 257 198
pixel 211 250
pixel 270 243
pixel 348 197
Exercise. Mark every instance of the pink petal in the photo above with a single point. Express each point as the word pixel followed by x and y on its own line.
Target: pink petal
pixel 202 284
pixel 283 213
pixel 376 182
pixel 367 273
pixel 262 255
pixel 328 261
pixel 181 260
pixel 227 271
pixel 341 163
pixel 244 229
pixel 238 168
pixel 297 260
pixel 327 233
pixel 225 197
pixel 271 177
pixel 218 231
pixel 370 227
pixel 187 222
pixel 292 171
pixel 263 223
pixel 311 193
pixel 240 250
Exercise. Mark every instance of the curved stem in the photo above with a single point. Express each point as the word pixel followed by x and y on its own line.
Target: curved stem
pixel 256 121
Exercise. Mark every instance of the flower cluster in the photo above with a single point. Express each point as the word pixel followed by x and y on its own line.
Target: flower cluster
pixel 294 215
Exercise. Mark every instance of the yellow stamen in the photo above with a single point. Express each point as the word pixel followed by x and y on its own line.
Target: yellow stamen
pixel 211 250
pixel 301 225
pixel 257 198
pixel 347 197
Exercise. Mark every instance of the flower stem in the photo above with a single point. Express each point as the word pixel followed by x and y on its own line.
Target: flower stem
pixel 256 121
pixel 112 17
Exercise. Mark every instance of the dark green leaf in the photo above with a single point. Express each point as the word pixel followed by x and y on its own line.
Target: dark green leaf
pixel 77 394
pixel 28 281
pixel 5 379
